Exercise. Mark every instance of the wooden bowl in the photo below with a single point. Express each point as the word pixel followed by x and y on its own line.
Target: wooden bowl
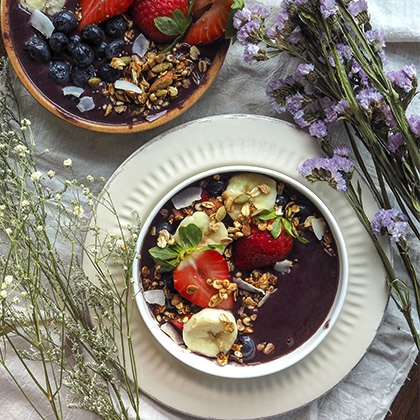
pixel 16 30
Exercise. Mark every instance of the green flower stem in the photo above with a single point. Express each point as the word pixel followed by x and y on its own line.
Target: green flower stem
pixel 402 298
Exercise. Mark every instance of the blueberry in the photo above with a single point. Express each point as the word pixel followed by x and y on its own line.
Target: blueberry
pixel 81 75
pixel 215 187
pixel 108 74
pixel 282 199
pixel 305 210
pixel 38 49
pixel 168 280
pixel 65 21
pixel 92 35
pixel 59 71
pixel 165 225
pixel 248 349
pixel 115 26
pixel 74 42
pixel 114 49
pixel 58 42
pixel 100 50
pixel 82 55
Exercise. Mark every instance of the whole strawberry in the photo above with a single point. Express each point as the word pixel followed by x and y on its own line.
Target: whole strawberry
pixel 161 20
pixel 261 249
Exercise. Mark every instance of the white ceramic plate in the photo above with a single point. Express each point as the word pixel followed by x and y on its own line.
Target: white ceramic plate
pixel 189 149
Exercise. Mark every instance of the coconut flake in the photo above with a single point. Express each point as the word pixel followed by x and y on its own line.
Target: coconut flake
pixel 156 296
pixel 73 91
pixel 172 332
pixel 42 23
pixel 124 85
pixel 264 299
pixel 141 45
pixel 284 266
pixel 319 226
pixel 186 197
pixel 154 117
pixel 242 284
pixel 86 104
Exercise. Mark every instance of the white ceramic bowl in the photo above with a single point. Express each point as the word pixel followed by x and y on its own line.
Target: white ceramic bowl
pixel 234 370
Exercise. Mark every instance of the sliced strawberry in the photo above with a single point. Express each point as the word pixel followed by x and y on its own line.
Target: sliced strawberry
pixel 190 278
pixel 260 249
pixel 211 22
pixel 99 11
pixel 144 13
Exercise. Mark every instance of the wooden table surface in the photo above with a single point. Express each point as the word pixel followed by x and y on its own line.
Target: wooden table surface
pixel 407 403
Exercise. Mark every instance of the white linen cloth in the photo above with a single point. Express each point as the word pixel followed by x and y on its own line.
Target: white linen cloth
pixel 370 388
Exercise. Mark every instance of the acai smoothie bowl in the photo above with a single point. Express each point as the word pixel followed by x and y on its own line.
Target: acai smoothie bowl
pixel 100 66
pixel 240 271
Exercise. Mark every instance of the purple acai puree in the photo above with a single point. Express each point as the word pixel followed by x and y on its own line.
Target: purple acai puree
pixel 21 30
pixel 302 298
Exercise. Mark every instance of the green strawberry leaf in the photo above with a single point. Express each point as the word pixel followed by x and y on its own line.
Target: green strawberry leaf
pixel 175 25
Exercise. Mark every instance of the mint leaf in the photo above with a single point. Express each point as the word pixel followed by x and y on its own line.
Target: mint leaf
pixel 276 228
pixel 190 236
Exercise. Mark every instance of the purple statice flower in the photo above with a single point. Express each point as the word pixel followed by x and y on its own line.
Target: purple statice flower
pixel 357 6
pixel 377 39
pixel 281 20
pixel 241 17
pixel 341 107
pixel 395 140
pixel 328 8
pixel 390 221
pixel 251 53
pixel 318 129
pixel 295 36
pixel 328 105
pixel 367 97
pixel 303 69
pixel 404 78
pixel 299 118
pixel 247 14
pixel 337 170
pixel 414 121
pixel 358 72
pixel 272 90
pixel 295 103
pixel 248 34
pixel 342 150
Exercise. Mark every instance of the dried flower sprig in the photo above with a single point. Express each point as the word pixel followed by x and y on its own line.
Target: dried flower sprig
pixel 73 327
pixel 340 78
pixel 390 222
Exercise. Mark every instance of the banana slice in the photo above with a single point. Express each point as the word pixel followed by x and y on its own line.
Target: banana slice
pixel 246 189
pixel 210 332
pixel 213 232
pixel 50 7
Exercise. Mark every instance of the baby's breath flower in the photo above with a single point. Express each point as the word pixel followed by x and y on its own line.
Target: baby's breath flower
pixel 8 279
pixel 78 209
pixel 68 163
pixel 3 294
pixel 50 174
pixel 36 176
pixel 90 178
